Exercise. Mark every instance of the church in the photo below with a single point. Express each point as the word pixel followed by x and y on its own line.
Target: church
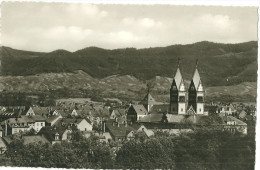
pixel 187 101
pixel 183 101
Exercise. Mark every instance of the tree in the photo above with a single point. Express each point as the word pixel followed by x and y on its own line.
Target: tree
pixel 150 154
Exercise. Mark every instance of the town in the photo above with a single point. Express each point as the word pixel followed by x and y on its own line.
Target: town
pixel 116 123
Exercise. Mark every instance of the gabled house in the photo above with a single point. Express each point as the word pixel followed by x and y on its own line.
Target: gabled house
pixel 119 133
pixel 30 112
pixel 10 112
pixel 51 120
pixel 226 110
pixel 80 124
pixel 56 134
pixel 23 124
pixel 233 125
pixel 135 112
pixel 163 108
pixel 126 131
pixel 74 113
pixel 117 113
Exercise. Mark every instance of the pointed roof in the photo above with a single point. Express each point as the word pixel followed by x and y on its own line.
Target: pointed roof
pixel 191 111
pixel 178 78
pixel 196 77
pixel 148 99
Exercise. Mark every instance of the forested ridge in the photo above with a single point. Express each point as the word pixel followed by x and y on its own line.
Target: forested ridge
pixel 218 63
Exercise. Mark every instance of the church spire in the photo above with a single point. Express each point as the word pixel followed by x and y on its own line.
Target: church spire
pixel 178 80
pixel 178 63
pixel 197 62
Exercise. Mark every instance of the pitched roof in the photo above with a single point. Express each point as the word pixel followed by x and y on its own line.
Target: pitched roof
pixel 67 121
pixel 63 113
pixel 148 99
pixel 178 78
pixel 50 131
pixel 120 131
pixel 52 118
pixel 34 139
pixel 162 108
pixel 196 79
pixel 140 109
pixel 7 139
pixel 38 118
pixel 41 110
pixel 231 118
pixel 2 143
pixel 191 111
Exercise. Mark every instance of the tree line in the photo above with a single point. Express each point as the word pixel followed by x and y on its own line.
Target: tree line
pixel 203 149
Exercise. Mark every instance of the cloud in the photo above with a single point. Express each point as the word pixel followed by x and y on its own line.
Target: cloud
pixel 141 22
pixel 72 26
pixel 216 21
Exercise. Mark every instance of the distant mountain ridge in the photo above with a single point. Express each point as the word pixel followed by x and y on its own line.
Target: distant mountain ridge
pixel 219 64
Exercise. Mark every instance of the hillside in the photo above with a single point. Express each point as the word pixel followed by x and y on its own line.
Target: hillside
pixel 217 62
pixel 79 84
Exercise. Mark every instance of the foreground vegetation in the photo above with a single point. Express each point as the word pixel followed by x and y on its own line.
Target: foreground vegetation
pixel 203 149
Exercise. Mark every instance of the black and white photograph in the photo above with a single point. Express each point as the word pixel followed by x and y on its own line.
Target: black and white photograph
pixel 128 86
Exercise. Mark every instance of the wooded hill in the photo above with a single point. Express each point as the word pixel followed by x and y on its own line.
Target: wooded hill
pixel 219 64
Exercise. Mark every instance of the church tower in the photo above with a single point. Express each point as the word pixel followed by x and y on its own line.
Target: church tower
pixel 196 93
pixel 178 93
pixel 148 101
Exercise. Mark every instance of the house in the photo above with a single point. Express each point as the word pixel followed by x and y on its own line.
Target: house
pixel 126 131
pixel 38 111
pixel 170 128
pixel 56 134
pixel 10 112
pixel 117 113
pixel 74 113
pixel 104 136
pixel 119 132
pixel 163 108
pixel 135 112
pixel 233 125
pixel 141 128
pixel 51 120
pixel 61 130
pixel 24 123
pixel 226 110
pixel 30 112
pixel 148 102
pixel 3 146
pixel 80 124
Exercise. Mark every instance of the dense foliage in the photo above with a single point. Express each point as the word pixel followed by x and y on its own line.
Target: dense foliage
pixel 202 149
pixel 80 153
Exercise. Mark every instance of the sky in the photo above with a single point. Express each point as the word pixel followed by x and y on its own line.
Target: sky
pixel 72 26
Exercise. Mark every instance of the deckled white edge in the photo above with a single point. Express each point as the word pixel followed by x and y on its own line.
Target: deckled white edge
pixel 170 2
